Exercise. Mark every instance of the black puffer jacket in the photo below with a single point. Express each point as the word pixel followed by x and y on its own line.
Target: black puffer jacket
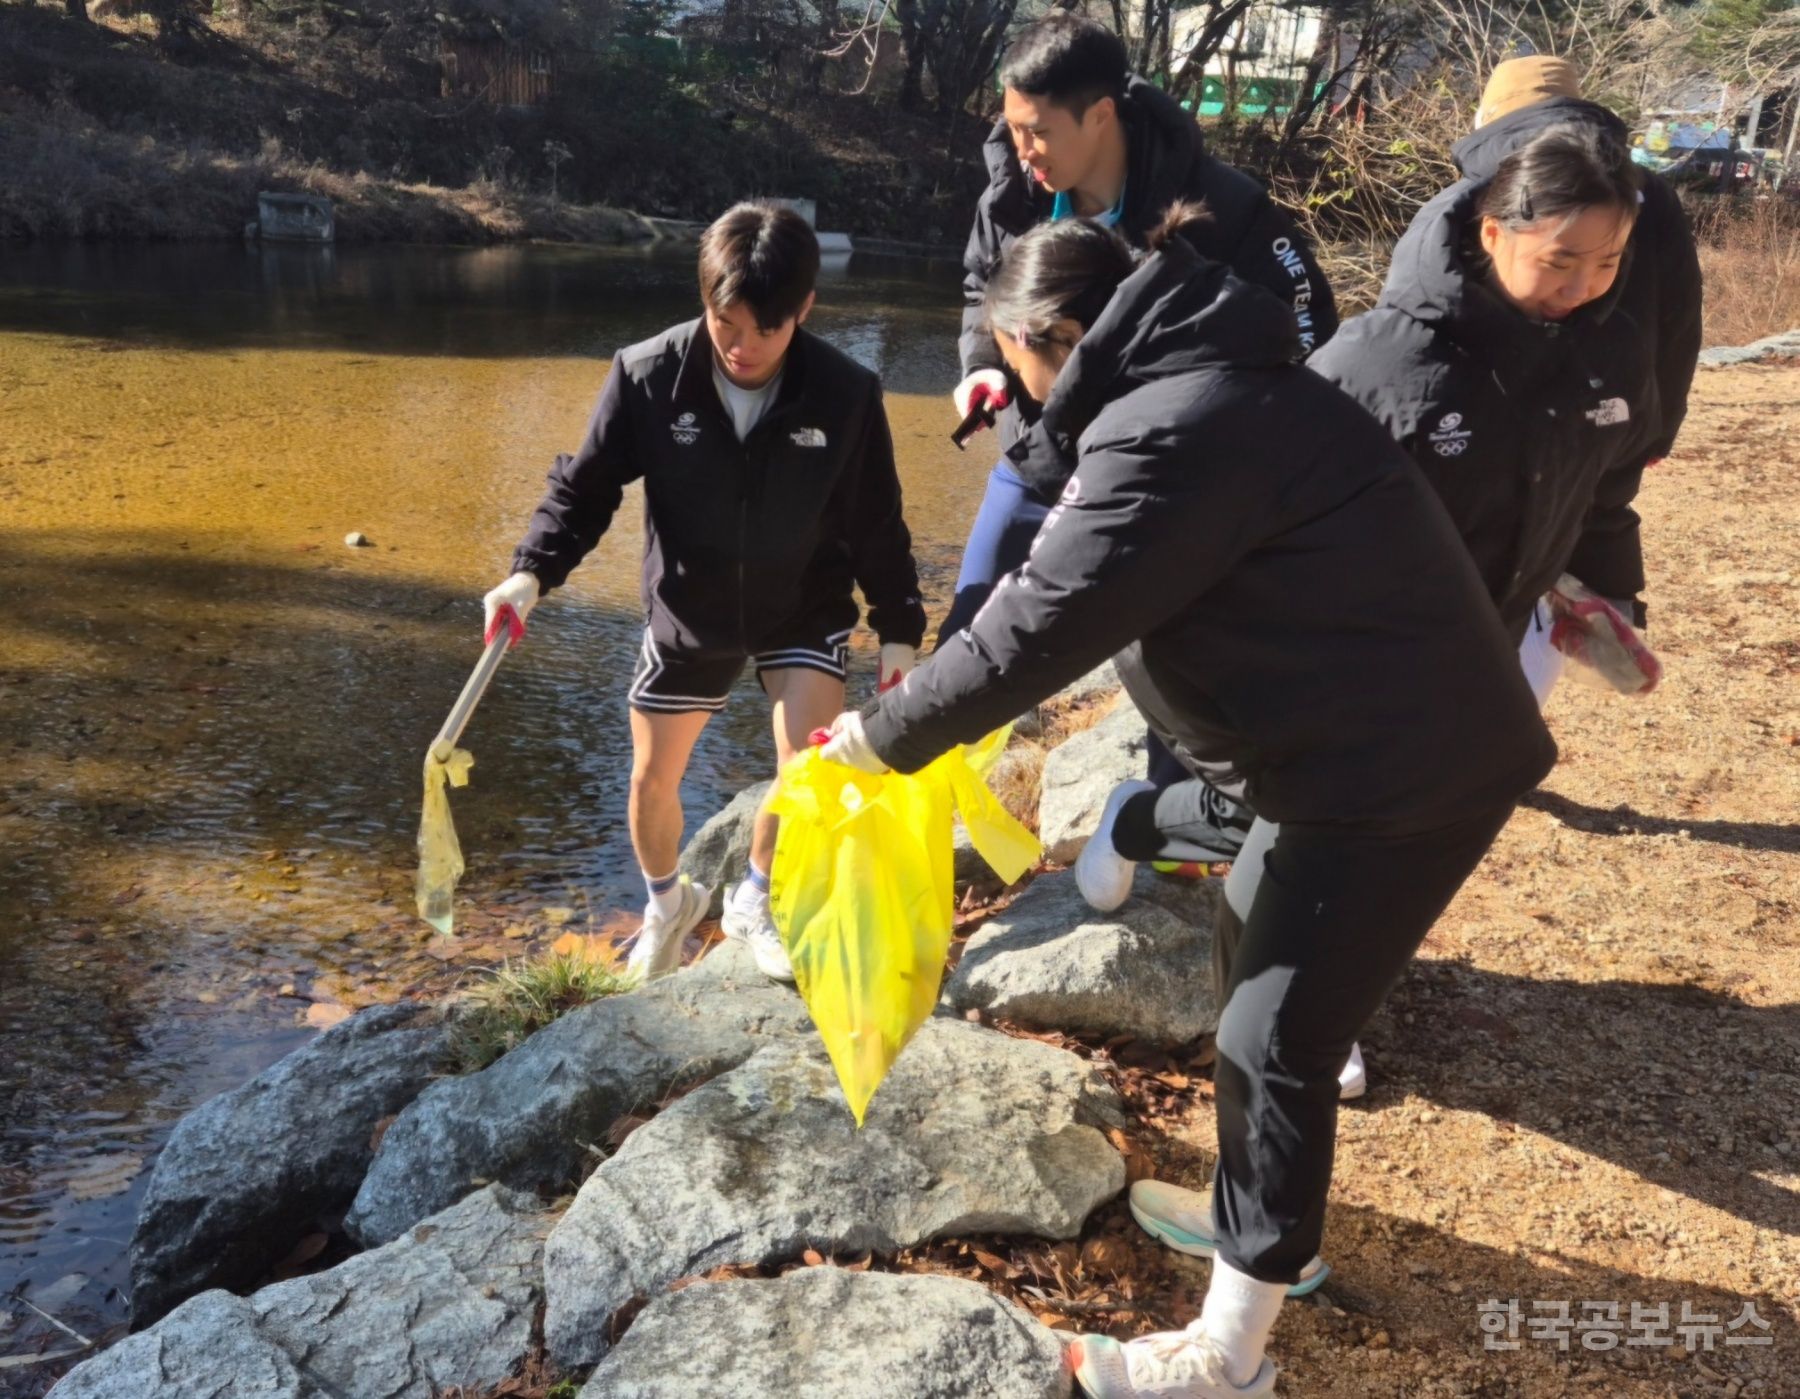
pixel 740 538
pixel 1248 231
pixel 1521 427
pixel 1292 604
pixel 1662 291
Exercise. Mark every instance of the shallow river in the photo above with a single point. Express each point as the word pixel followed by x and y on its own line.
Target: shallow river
pixel 212 712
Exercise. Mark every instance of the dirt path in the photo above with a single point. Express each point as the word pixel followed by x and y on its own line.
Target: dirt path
pixel 1588 1087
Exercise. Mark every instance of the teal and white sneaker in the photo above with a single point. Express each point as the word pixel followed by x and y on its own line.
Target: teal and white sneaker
pixel 1182 1219
pixel 1167 1365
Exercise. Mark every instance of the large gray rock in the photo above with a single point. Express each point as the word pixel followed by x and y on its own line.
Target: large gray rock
pixel 451 1303
pixel 1785 345
pixel 914 1338
pixel 244 1175
pixel 720 849
pixel 1079 775
pixel 1048 961
pixel 208 1348
pixel 973 1132
pixel 529 1119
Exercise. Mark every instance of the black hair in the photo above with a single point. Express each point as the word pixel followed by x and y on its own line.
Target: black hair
pixel 1558 174
pixel 1068 270
pixel 763 255
pixel 1068 60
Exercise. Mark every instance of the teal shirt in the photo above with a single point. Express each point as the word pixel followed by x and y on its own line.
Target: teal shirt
pixel 1063 208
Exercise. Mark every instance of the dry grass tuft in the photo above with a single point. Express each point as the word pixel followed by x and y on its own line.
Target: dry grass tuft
pixel 1750 259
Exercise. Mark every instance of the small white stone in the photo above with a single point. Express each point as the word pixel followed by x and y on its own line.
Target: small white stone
pixel 356 539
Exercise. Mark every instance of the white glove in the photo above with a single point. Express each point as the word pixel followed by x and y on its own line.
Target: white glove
pixel 520 592
pixel 849 746
pixel 897 661
pixel 963 395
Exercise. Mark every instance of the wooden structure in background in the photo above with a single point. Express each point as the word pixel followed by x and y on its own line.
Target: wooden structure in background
pixel 501 72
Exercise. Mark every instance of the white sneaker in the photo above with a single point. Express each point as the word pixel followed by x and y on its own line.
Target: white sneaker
pixel 1101 873
pixel 1353 1078
pixel 1166 1365
pixel 747 917
pixel 657 951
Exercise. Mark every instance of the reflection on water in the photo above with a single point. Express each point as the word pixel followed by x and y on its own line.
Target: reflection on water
pixel 212 712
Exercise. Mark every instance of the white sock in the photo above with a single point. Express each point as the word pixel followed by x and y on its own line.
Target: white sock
pixel 1238 1316
pixel 754 889
pixel 665 893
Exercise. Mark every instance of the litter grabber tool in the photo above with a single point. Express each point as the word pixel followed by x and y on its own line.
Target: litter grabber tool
pixel 1607 649
pixel 446 766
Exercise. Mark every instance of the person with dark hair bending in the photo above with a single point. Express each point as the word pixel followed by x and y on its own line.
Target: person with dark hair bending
pixel 1501 358
pixel 1081 137
pixel 769 495
pixel 1295 612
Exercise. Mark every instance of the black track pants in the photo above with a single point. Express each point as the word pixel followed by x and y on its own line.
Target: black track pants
pixel 1327 920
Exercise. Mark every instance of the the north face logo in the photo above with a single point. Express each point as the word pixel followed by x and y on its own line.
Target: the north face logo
pixel 1610 413
pixel 807 437
pixel 1451 438
pixel 686 430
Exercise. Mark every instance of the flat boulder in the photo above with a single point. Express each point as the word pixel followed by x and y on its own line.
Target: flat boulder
pixel 246 1173
pixel 972 1132
pixel 534 1117
pixel 1080 774
pixel 451 1303
pixel 1048 961
pixel 825 1333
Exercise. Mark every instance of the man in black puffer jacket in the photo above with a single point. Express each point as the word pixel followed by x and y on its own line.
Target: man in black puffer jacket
pixel 1661 292
pixel 1083 138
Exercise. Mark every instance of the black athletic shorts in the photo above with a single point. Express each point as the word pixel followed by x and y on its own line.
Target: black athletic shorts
pixel 690 682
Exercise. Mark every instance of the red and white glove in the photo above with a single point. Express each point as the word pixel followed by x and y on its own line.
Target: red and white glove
pixel 897 662
pixel 984 385
pixel 517 595
pixel 845 743
pixel 1590 630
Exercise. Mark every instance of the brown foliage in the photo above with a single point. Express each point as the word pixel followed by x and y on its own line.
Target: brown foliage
pixel 1750 260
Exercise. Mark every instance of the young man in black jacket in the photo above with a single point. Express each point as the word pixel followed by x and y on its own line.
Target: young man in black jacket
pixel 769 493
pixel 1082 137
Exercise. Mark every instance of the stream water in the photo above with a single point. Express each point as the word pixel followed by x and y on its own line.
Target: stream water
pixel 212 711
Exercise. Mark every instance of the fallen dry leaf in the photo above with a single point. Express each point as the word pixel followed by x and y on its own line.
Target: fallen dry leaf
pixel 813 1258
pixel 623 1128
pixel 381 1130
pixel 302 1253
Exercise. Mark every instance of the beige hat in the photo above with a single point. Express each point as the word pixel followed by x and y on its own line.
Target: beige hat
pixel 1519 82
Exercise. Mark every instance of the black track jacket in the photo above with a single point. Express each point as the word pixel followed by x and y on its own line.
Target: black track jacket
pixel 739 538
pixel 1291 602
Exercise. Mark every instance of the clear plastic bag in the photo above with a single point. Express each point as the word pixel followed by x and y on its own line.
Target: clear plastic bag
pixel 440 853
pixel 1606 648
pixel 863 892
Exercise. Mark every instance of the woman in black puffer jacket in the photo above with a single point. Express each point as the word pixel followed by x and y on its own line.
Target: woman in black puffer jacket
pixel 1504 358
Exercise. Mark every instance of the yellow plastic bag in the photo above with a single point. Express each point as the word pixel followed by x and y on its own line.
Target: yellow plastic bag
pixel 864 894
pixel 440 853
